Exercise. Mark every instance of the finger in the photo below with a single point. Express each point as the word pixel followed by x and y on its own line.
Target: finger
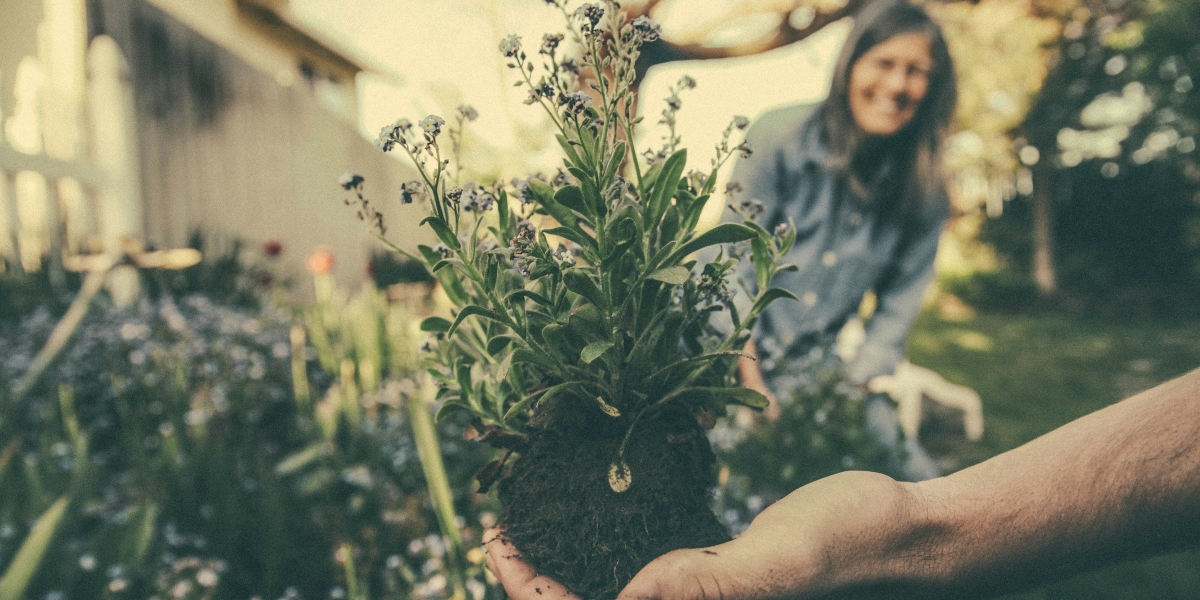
pixel 520 580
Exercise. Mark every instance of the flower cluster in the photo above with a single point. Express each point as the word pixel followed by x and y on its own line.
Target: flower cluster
pixel 476 199
pixel 411 191
pixel 646 30
pixel 393 135
pixel 591 15
pixel 365 210
pixel 523 247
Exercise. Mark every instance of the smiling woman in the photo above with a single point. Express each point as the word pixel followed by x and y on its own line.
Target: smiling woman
pixel 858 176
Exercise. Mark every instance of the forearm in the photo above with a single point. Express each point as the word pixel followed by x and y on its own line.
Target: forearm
pixel 1119 483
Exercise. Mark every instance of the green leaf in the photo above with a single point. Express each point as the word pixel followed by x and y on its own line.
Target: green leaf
pixel 726 233
pixel 504 367
pixel 727 395
pixel 768 297
pixel 572 197
pixel 594 350
pixel 504 216
pixel 544 194
pixel 568 150
pixel 586 321
pixel 475 310
pixel 435 324
pixel 578 281
pixel 451 406
pixel 523 356
pixel 671 275
pixel 761 255
pixel 614 163
pixel 691 215
pixel 573 235
pixel 522 294
pixel 498 344
pixel 443 232
pixel 665 187
pixel 29 556
pixel 519 407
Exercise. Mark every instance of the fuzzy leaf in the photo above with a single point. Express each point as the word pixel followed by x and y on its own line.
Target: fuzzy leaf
pixel 499 343
pixel 521 294
pixel 671 275
pixel 768 297
pixel 594 350
pixel 573 235
pixel 443 232
pixel 572 197
pixel 578 281
pixel 726 233
pixel 474 310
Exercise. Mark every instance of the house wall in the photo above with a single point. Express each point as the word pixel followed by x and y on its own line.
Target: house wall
pixel 227 150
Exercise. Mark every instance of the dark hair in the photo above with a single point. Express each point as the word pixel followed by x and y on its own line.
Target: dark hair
pixel 913 155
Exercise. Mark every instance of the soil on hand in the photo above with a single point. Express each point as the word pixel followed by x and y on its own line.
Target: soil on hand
pixel 568 523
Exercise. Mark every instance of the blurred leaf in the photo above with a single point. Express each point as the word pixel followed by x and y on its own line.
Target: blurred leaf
pixel 303 458
pixel 435 324
pixel 29 556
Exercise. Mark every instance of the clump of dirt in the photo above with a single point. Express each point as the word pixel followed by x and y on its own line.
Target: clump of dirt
pixel 567 522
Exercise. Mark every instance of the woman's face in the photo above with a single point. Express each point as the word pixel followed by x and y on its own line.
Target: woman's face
pixel 888 82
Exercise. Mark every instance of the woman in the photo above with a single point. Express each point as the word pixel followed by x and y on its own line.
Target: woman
pixel 859 177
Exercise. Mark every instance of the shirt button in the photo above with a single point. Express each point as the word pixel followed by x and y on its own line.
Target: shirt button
pixel 829 258
pixel 809 299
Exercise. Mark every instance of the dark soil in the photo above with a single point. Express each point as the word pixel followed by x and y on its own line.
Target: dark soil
pixel 571 526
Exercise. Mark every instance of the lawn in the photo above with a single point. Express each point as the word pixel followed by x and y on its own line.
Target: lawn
pixel 1037 372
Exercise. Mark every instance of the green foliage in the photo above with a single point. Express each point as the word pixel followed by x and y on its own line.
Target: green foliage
pixel 599 308
pixel 194 466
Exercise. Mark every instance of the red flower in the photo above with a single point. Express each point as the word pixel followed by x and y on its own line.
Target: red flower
pixel 272 248
pixel 320 262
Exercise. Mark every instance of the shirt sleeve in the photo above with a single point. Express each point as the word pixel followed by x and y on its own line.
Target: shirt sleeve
pixel 899 293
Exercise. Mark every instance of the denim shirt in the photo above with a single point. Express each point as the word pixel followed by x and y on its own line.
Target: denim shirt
pixel 843 249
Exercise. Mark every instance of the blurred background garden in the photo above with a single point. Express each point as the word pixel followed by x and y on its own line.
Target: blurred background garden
pixel 210 382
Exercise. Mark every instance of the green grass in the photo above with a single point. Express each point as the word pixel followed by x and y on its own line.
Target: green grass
pixel 1038 372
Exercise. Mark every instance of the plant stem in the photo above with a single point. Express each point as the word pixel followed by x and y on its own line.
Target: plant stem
pixel 430 453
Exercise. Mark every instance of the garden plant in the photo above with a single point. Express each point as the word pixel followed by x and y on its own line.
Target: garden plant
pixel 586 341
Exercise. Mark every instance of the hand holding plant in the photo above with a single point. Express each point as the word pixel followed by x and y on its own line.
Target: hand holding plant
pixel 583 326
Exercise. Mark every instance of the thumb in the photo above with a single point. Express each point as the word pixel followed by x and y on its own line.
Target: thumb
pixel 681 575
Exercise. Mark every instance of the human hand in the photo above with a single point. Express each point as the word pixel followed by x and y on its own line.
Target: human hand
pixel 520 580
pixel 827 536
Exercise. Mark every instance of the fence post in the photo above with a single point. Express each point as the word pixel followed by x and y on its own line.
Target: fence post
pixel 115 154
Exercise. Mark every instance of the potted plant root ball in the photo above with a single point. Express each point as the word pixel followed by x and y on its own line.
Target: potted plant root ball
pixel 586 342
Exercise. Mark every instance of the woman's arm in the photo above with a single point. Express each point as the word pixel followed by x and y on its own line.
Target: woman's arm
pixel 1120 483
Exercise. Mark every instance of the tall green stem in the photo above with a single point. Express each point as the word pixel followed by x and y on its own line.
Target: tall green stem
pixel 430 453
